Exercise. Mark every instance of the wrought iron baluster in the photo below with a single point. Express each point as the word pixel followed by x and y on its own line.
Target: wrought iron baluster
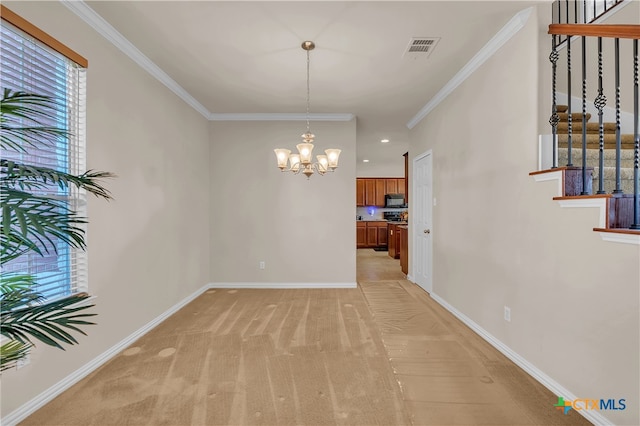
pixel 554 119
pixel 584 116
pixel 569 117
pixel 600 102
pixel 636 139
pixel 618 135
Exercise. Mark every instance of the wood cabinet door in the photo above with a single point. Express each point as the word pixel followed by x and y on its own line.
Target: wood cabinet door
pixel 382 234
pixel 401 187
pixel 361 235
pixel 381 188
pixel 369 192
pixel 392 186
pixel 372 235
pixel 391 240
pixel 360 199
pixel 404 251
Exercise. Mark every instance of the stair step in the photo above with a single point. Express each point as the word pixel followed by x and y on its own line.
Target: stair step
pixel 576 127
pixel 609 181
pixel 562 108
pixel 626 173
pixel 575 116
pixel 593 140
pixel 593 157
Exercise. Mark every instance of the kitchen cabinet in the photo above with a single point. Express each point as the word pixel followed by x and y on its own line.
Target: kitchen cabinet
pixel 404 248
pixel 402 188
pixel 382 234
pixel 371 234
pixel 393 241
pixel 361 234
pixel 392 186
pixel 360 198
pixel 381 189
pixel 371 191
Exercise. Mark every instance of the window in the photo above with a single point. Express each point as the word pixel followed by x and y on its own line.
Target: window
pixel 33 62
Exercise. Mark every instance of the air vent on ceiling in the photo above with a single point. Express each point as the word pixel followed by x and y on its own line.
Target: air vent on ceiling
pixel 421 46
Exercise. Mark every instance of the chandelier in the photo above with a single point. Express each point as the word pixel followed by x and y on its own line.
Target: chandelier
pixel 303 160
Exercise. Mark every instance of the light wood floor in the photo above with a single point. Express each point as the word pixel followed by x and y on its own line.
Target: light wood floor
pixel 447 373
pixel 382 354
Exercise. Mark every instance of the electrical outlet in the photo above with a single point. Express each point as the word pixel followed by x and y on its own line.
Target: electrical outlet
pixel 26 360
pixel 262 265
pixel 507 314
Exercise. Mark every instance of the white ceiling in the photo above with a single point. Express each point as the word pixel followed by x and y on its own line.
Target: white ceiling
pixel 245 57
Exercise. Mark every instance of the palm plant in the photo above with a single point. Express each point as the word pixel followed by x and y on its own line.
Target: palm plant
pixel 31 223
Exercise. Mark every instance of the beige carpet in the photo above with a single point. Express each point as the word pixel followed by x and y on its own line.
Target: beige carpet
pixel 246 357
pixel 382 354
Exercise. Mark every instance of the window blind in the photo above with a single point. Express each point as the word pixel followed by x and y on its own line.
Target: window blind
pixel 30 66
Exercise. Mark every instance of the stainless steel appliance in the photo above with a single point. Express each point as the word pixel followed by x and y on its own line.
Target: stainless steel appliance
pixel 393 216
pixel 394 200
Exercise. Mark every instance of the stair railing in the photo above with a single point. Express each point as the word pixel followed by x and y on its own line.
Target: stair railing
pixel 580 12
pixel 563 32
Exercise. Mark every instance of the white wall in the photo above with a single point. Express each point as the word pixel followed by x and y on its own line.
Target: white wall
pixel 391 167
pixel 499 238
pixel 303 229
pixel 148 248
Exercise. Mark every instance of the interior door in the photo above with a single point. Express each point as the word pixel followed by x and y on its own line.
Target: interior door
pixel 422 201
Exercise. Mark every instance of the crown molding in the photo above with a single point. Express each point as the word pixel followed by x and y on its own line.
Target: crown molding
pixel 100 25
pixel 105 29
pixel 514 25
pixel 280 117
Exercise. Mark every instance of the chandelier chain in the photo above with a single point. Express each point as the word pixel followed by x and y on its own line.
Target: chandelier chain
pixel 308 92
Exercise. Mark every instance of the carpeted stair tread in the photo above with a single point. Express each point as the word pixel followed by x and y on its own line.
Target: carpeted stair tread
pixel 594 139
pixel 575 116
pixel 626 179
pixel 592 127
pixel 626 173
pixel 593 157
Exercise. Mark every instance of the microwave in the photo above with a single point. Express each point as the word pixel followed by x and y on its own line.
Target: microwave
pixel 394 200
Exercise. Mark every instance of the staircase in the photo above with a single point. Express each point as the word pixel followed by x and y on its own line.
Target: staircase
pixel 593 151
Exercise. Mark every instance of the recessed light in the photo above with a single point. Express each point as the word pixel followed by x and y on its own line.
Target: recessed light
pixel 385 141
pixel 365 161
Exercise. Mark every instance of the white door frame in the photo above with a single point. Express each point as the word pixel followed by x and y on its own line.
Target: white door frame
pixel 412 219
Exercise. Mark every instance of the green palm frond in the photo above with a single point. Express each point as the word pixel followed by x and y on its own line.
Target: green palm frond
pixel 10 282
pixel 32 222
pixel 17 291
pixel 11 352
pixel 23 121
pixel 28 177
pixel 15 299
pixel 48 322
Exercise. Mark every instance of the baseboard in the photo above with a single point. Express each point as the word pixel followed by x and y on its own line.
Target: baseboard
pixel 39 401
pixel 591 415
pixel 283 285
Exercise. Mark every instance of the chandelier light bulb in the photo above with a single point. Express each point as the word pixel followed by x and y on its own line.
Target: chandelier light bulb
pixel 283 156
